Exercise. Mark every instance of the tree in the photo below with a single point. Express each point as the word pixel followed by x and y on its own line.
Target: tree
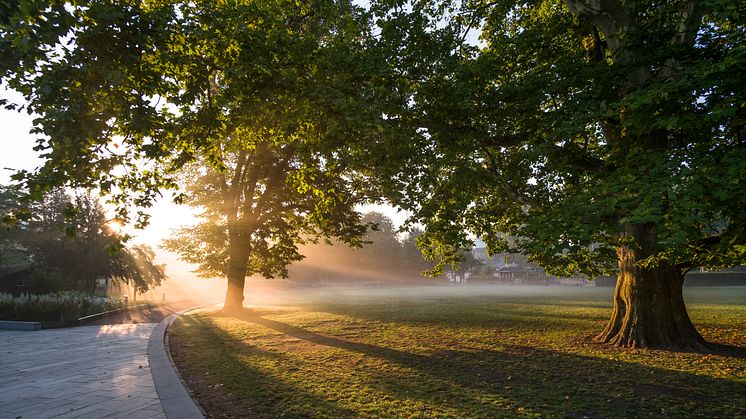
pixel 414 262
pixel 134 265
pixel 269 198
pixel 11 251
pixel 95 250
pixel 383 257
pixel 383 245
pixel 602 135
pixel 467 263
pixel 71 240
pixel 278 108
pixel 129 93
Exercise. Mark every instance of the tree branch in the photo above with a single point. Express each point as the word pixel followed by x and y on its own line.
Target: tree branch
pixel 501 181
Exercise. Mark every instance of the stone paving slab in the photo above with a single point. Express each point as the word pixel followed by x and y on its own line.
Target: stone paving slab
pixel 80 372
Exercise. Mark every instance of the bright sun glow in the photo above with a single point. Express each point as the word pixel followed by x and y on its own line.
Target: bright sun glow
pixel 18 154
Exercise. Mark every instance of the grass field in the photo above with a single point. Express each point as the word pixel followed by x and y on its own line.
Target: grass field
pixel 455 352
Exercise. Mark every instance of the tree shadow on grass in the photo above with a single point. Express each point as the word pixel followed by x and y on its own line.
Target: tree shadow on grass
pixel 226 386
pixel 457 315
pixel 495 382
pixel 728 350
pixel 506 314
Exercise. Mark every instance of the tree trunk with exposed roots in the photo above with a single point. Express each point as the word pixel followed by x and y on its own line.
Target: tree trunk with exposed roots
pixel 649 309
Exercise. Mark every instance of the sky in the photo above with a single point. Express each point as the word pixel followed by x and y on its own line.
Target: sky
pixel 16 153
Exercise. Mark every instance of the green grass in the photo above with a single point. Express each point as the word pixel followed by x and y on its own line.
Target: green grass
pixel 456 352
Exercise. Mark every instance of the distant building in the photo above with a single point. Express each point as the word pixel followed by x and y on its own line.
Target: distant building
pixel 574 282
pixel 523 275
pixel 500 260
pixel 516 269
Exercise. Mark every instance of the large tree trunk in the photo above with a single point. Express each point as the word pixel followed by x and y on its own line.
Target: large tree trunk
pixel 239 252
pixel 649 309
pixel 234 294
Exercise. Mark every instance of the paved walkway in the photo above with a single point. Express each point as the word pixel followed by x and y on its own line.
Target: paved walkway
pixel 79 372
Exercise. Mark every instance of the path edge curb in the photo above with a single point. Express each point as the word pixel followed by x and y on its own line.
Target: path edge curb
pixel 172 392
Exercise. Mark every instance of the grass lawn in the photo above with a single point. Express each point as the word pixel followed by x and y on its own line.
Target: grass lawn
pixel 457 352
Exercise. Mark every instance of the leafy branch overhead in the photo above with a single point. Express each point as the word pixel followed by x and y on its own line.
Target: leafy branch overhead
pixel 596 137
pixel 593 136
pixel 568 121
pixel 127 93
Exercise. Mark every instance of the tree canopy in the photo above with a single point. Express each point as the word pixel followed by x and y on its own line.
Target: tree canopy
pixel 596 136
pixel 557 132
pixel 126 93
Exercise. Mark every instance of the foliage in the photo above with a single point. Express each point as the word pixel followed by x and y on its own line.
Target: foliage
pixel 44 280
pixel 73 237
pixel 69 237
pixel 432 352
pixel 134 265
pixel 80 68
pixel 54 309
pixel 70 243
pixel 127 93
pixel 564 126
pixel 11 253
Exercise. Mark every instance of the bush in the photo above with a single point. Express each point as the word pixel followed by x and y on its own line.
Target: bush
pixel 44 280
pixel 58 309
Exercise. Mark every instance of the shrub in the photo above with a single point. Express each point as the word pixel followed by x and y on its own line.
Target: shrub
pixel 45 280
pixel 57 309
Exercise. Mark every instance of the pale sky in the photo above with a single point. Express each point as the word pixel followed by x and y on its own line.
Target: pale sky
pixel 16 153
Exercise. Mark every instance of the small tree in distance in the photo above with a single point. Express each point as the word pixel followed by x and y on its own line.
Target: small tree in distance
pixel 11 251
pixel 269 199
pixel 69 243
pixel 384 257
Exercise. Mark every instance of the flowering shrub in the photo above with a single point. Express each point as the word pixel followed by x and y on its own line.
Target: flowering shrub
pixel 55 309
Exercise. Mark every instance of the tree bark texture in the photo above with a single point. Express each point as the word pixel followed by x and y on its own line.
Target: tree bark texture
pixel 240 251
pixel 649 309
